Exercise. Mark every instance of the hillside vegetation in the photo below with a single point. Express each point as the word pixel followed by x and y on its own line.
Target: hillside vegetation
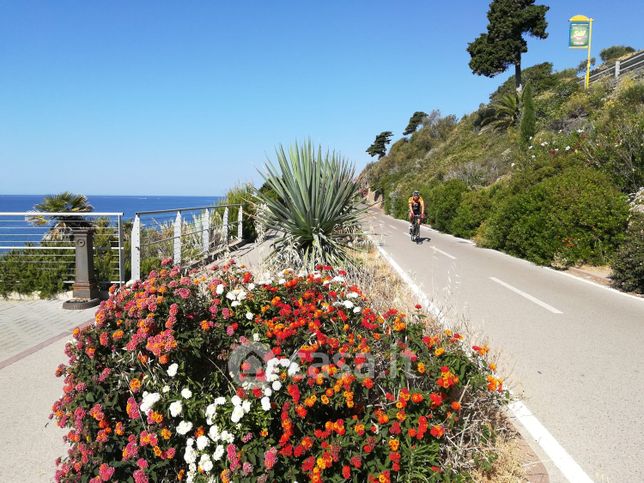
pixel 555 191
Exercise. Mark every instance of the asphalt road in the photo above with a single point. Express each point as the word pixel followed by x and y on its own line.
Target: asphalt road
pixel 574 350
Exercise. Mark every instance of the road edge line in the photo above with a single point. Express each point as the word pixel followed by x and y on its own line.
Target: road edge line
pixel 540 434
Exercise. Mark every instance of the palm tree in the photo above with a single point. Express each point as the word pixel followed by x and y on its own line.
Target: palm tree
pixel 507 111
pixel 65 202
pixel 314 205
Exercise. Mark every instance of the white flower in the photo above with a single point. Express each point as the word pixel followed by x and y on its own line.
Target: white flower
pixel 220 400
pixel 268 392
pixel 149 400
pixel 285 363
pixel 219 452
pixel 293 369
pixel 220 289
pixel 266 403
pixel 231 295
pixel 246 406
pixel 512 165
pixel 281 281
pixel 251 286
pixel 227 437
pixel 567 148
pixel 337 278
pixel 172 370
pixel 190 456
pixel 357 310
pixel 186 393
pixel 580 131
pixel 352 295
pixel 165 389
pixel 276 385
pixel 211 410
pixel 176 408
pixel 241 295
pixel 202 442
pixel 205 463
pixel 183 427
pixel 238 413
pixel 236 400
pixel 256 337
pixel 249 315
pixel 190 442
pixel 213 432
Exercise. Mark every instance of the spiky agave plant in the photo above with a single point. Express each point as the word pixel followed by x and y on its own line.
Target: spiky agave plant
pixel 315 205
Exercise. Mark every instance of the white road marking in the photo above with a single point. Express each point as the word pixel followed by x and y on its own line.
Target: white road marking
pixel 444 253
pixel 559 456
pixel 394 227
pixel 527 296
pixel 557 453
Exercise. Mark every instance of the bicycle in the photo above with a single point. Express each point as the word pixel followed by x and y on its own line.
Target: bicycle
pixel 415 229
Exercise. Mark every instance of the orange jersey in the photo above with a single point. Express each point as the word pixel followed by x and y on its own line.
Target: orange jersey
pixel 416 206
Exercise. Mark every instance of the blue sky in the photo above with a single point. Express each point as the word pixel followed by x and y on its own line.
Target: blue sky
pixel 160 97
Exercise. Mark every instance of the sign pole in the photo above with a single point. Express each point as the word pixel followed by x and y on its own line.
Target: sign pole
pixel 590 39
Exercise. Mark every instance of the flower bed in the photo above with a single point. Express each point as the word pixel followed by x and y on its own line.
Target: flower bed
pixel 227 378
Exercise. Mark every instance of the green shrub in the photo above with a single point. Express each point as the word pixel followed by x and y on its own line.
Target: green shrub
pixel 243 195
pixel 442 203
pixel 573 217
pixel 474 209
pixel 628 265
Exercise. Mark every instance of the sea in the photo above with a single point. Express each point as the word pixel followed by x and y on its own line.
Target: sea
pixel 128 205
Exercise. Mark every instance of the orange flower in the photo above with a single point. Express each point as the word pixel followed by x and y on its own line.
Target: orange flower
pixel 439 352
pixel 437 431
pixel 401 416
pixel 456 406
pixel 263 433
pixel 165 433
pixel 135 385
pixel 421 368
pixel 157 451
pixel 204 325
pixel 324 399
pixel 394 444
pixel 417 397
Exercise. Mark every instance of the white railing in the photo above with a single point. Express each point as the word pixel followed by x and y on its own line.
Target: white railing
pixel 187 235
pixel 35 243
pixel 631 64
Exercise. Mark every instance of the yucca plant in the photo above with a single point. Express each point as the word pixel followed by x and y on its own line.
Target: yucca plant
pixel 315 206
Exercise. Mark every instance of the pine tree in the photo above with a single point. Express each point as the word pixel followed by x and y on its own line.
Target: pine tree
pixel 493 52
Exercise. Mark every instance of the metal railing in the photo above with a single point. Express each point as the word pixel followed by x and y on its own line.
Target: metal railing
pixel 631 64
pixel 187 235
pixel 35 244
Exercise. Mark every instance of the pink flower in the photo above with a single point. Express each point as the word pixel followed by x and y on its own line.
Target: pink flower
pixel 105 472
pixel 226 313
pixel 231 451
pixel 184 293
pixel 166 261
pixel 104 374
pixel 247 468
pixel 141 463
pixel 270 458
pixel 139 477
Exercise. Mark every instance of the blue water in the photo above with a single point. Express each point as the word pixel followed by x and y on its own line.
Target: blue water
pixel 128 205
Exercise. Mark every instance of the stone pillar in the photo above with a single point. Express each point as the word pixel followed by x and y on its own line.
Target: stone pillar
pixel 86 291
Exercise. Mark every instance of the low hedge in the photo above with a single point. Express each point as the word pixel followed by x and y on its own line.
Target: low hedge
pixel 573 217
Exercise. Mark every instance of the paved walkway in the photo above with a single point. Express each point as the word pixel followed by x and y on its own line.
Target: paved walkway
pixel 25 324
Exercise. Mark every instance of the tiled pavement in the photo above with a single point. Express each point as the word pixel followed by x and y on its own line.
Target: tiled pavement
pixel 25 324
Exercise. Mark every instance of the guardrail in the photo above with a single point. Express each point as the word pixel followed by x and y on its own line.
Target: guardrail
pixel 621 67
pixel 187 235
pixel 42 244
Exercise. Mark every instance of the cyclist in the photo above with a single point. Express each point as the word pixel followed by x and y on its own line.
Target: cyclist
pixel 416 207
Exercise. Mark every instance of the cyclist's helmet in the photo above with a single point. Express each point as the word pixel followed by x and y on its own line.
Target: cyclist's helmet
pixel 416 193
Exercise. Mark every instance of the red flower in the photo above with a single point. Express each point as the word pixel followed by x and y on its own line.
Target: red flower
pixel 346 472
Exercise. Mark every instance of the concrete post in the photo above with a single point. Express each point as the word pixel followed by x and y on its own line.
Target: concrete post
pixel 617 69
pixel 136 249
pixel 206 230
pixel 85 288
pixel 225 226
pixel 240 226
pixel 177 239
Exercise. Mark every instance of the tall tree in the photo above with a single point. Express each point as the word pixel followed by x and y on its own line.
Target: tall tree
pixel 493 52
pixel 379 146
pixel 528 117
pixel 416 120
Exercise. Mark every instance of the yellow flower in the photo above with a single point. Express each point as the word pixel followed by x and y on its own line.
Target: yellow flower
pixel 439 352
